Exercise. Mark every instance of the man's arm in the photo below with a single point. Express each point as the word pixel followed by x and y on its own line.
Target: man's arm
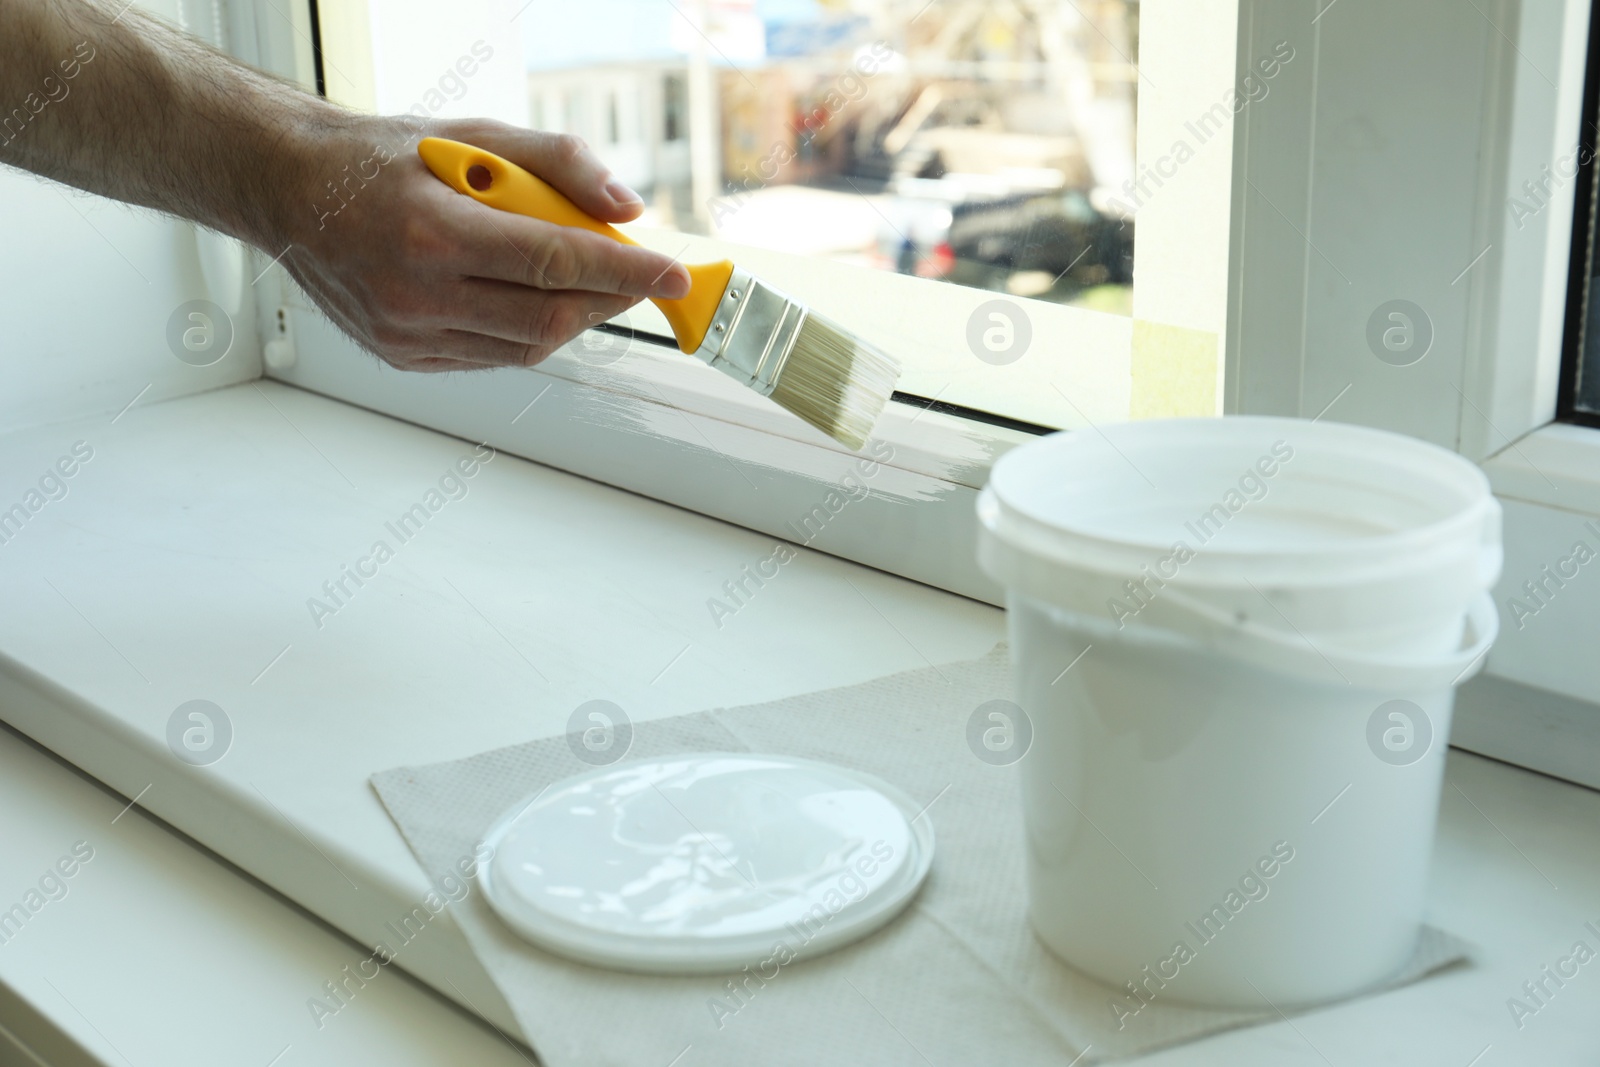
pixel 125 106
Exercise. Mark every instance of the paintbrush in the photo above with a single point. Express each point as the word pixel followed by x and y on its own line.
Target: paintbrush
pixel 732 320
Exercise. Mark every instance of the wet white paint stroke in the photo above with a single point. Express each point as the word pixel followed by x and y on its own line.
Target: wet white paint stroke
pixel 666 397
pixel 638 415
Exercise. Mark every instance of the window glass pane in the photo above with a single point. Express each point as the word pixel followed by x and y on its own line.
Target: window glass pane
pixel 1580 372
pixel 1584 377
pixel 977 143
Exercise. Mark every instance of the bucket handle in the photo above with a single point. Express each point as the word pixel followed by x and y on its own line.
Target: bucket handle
pixel 1491 559
pixel 1483 623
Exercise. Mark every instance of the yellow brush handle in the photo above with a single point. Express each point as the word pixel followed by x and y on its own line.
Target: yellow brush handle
pixel 502 184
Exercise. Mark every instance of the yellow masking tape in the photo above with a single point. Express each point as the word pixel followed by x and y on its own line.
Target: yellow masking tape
pixel 1174 371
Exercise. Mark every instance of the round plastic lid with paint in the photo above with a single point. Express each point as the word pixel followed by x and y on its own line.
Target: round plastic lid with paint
pixel 705 863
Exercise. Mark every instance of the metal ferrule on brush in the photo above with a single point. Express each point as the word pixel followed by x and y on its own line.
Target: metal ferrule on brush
pixel 752 333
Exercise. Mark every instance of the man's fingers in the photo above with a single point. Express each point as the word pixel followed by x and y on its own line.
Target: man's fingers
pixel 566 163
pixel 514 248
pixel 529 316
pixel 457 285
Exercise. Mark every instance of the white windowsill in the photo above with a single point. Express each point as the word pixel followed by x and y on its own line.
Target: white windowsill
pixel 179 565
pixel 1557 466
pixel 240 959
pixel 183 555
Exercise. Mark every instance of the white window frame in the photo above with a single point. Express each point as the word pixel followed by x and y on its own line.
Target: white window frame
pixel 1489 387
pixel 1268 248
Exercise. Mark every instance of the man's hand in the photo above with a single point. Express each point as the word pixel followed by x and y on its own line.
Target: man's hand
pixel 422 276
pixel 432 280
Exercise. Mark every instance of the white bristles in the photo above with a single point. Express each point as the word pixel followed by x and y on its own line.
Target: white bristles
pixel 835 381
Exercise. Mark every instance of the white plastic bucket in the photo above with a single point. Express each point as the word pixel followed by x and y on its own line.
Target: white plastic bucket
pixel 1222 804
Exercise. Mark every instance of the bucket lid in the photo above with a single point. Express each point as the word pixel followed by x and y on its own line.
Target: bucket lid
pixel 704 863
pixel 1253 499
